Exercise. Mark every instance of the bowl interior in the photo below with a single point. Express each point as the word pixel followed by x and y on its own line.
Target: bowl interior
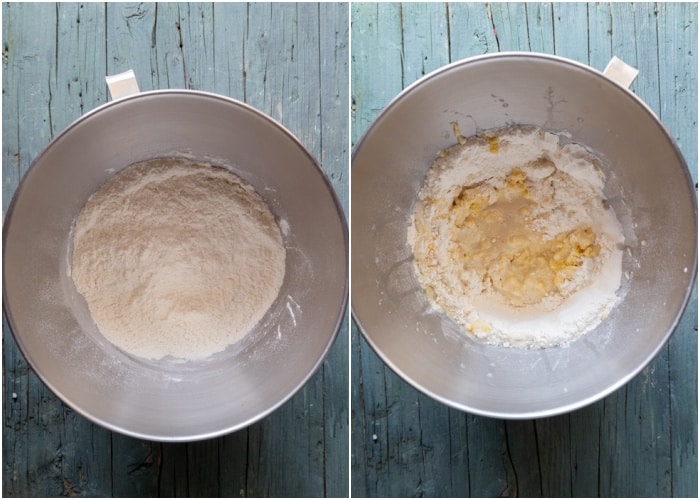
pixel 169 399
pixel 648 187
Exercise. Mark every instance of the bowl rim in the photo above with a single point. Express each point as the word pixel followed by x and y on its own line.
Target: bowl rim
pixel 340 212
pixel 692 273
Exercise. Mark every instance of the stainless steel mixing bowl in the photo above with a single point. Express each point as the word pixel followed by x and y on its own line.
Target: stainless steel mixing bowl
pixel 648 186
pixel 173 400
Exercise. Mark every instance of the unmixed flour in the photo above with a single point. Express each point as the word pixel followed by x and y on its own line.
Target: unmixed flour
pixel 512 238
pixel 176 258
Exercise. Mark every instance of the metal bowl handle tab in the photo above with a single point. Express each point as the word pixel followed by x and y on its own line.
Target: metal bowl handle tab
pixel 620 72
pixel 123 84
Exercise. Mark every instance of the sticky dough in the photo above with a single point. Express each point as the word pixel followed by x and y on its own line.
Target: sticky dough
pixel 513 240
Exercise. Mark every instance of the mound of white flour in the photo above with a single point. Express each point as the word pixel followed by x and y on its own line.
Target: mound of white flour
pixel 176 258
pixel 512 238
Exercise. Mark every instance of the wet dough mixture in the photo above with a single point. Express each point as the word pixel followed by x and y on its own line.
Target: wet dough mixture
pixel 176 258
pixel 513 239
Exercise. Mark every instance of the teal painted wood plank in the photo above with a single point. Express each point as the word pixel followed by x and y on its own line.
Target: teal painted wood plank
pixel 647 83
pixel 571 30
pixel 562 454
pixel 510 26
pixel 600 31
pixel 130 32
pixel 426 42
pixel 29 405
pixel 334 20
pixel 194 36
pixel 233 470
pixel 624 41
pixel 540 27
pixel 361 437
pixel 459 483
pixel 374 436
pixel 53 76
pixel 683 355
pixel 471 30
pixel 77 85
pixel 400 438
pixel 204 460
pixel 528 478
pixel 490 470
pixel 133 467
pixel 26 67
pixel 584 431
pixel 678 70
pixel 442 460
pixel 642 440
pixel 82 474
pixel 379 27
pixel 228 71
pixel 173 466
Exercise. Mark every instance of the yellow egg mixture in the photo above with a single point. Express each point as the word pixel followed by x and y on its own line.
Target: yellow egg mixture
pixel 493 232
pixel 508 228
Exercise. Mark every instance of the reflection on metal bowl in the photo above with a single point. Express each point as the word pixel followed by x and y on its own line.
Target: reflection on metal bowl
pixel 172 400
pixel 648 186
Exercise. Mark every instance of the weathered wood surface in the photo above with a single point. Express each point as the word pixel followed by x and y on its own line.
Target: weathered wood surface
pixel 641 440
pixel 291 62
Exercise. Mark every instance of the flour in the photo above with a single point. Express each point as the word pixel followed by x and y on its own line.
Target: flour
pixel 512 238
pixel 176 258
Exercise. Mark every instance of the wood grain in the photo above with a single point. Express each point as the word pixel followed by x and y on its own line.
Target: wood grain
pixel 639 441
pixel 291 62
